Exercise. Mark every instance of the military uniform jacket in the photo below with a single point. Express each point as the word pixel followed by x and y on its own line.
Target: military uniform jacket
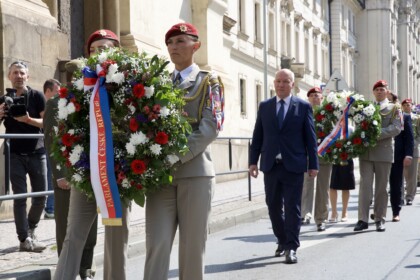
pixel 416 131
pixel 391 126
pixel 197 161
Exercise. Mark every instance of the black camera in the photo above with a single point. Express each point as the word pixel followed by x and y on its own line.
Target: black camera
pixel 15 105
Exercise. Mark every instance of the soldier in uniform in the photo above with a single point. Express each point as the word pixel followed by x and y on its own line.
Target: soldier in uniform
pixel 322 181
pixel 186 202
pixel 376 162
pixel 410 172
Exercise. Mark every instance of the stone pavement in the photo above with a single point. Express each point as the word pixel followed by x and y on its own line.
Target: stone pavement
pixel 230 207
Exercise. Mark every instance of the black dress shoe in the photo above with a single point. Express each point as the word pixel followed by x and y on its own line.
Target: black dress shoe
pixel 380 226
pixel 361 226
pixel 291 257
pixel 306 221
pixel 279 251
pixel 372 216
pixel 320 227
pixel 409 202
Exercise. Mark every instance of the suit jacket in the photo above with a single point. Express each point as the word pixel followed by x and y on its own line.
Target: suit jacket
pixel 49 122
pixel 295 140
pixel 390 127
pixel 197 161
pixel 404 142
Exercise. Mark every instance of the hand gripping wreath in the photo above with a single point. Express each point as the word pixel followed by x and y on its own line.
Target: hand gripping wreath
pixel 126 100
pixel 334 119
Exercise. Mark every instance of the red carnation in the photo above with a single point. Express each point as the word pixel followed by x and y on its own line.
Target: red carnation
pixel 134 125
pixel 146 110
pixel 138 90
pixel 319 117
pixel 161 138
pixel 138 166
pixel 77 106
pixel 364 125
pixel 156 108
pixel 344 156
pixel 329 107
pixel 357 141
pixel 321 134
pixel 63 92
pixel 338 145
pixel 67 140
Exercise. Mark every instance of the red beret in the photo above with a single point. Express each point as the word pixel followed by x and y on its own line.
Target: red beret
pixel 101 34
pixel 181 28
pixel 314 89
pixel 380 83
pixel 407 100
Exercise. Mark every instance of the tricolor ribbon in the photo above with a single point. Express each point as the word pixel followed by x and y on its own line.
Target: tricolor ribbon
pixel 340 129
pixel 102 175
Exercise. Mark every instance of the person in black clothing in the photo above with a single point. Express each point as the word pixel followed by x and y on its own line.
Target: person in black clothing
pixel 27 156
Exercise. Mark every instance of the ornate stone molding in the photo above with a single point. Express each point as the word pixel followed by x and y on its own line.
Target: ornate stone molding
pixel 298 17
pixel 228 23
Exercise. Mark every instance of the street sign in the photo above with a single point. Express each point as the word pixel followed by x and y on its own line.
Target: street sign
pixel 335 83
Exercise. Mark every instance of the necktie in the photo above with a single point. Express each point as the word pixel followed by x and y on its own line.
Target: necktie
pixel 178 79
pixel 280 113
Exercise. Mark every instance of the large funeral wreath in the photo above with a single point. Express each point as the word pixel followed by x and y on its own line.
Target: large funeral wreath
pixel 339 112
pixel 148 124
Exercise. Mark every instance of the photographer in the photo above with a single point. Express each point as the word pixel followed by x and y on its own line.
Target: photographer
pixel 22 110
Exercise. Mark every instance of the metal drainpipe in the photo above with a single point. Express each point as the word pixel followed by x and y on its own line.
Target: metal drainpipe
pixel 329 31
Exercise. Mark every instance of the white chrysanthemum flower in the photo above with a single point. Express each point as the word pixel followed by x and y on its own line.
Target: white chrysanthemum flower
pixel 164 112
pixel 55 128
pixel 71 108
pixel 358 118
pixel 102 57
pixel 332 97
pixel 138 138
pixel 362 134
pixel 131 149
pixel 63 113
pixel 369 110
pixel 77 177
pixel 172 159
pixel 149 91
pixel 63 148
pixel 132 108
pixel 155 149
pixel 58 167
pixel 117 78
pixel 79 84
pixel 125 183
pixel 74 156
pixel 113 68
pixel 71 131
pixel 375 122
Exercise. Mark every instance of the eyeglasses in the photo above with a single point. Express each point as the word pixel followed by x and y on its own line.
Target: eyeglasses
pixel 19 64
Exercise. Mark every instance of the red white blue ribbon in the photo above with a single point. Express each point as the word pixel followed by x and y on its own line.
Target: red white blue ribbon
pixel 102 171
pixel 340 130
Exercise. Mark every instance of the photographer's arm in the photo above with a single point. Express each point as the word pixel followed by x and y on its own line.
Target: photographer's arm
pixel 37 122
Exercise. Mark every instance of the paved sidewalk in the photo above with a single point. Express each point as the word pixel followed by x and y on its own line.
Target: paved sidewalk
pixel 230 206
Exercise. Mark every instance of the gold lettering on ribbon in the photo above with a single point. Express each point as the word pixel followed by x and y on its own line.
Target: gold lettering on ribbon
pixel 106 189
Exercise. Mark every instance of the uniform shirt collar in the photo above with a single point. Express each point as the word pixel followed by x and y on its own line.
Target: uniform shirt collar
pixel 185 72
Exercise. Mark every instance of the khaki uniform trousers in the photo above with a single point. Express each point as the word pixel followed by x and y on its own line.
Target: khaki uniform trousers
pixel 410 175
pixel 185 204
pixel 321 195
pixel 379 171
pixel 82 214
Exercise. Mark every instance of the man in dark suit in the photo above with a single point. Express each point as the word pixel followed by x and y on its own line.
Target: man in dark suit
pixel 284 136
pixel 403 156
